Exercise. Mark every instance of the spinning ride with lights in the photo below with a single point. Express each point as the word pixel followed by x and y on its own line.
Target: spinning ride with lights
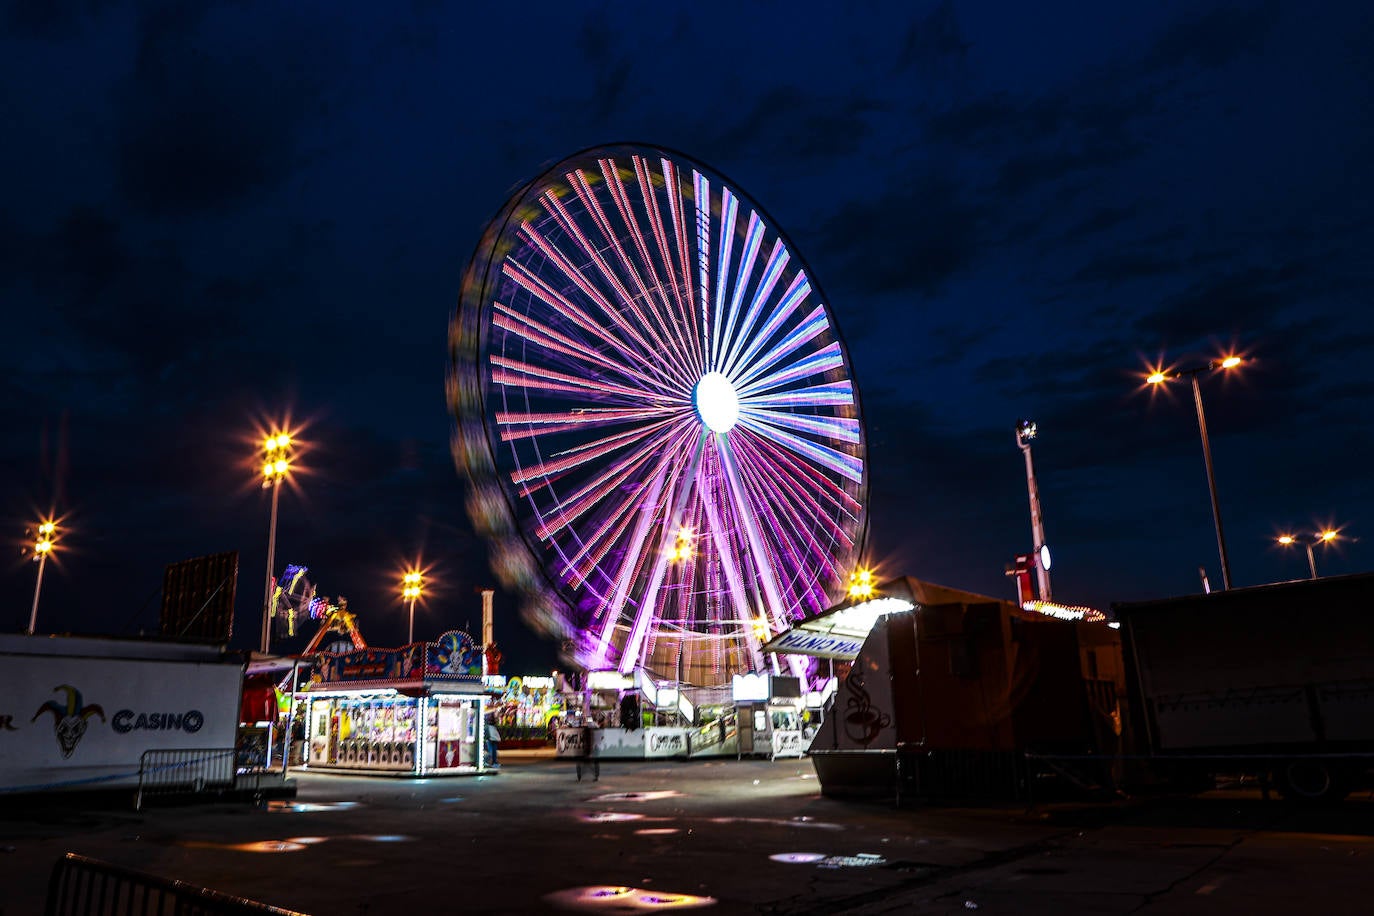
pixel 657 416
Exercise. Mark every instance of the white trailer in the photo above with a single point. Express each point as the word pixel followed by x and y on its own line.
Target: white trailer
pixel 79 713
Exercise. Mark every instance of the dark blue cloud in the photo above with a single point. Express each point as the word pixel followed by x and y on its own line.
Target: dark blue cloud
pixel 215 107
pixel 222 211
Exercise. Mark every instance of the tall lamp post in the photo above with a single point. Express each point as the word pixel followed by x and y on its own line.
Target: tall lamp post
pixel 42 546
pixel 1322 537
pixel 412 583
pixel 1025 432
pixel 1159 377
pixel 276 465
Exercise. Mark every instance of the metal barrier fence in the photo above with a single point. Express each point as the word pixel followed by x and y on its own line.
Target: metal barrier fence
pixel 191 770
pixel 88 887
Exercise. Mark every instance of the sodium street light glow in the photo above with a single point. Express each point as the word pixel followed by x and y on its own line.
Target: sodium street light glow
pixel 276 467
pixel 42 548
pixel 1324 537
pixel 412 584
pixel 1159 376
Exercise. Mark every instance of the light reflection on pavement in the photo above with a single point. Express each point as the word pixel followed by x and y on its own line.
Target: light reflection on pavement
pixel 621 899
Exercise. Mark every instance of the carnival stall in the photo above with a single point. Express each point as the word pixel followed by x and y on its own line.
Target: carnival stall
pixel 417 710
pixel 524 708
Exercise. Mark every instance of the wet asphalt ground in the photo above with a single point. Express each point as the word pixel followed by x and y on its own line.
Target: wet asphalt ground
pixel 721 837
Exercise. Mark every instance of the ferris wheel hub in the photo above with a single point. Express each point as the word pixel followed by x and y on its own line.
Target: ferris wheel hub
pixel 716 402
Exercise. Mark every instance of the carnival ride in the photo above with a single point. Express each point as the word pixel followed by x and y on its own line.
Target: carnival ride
pixel 657 416
pixel 336 619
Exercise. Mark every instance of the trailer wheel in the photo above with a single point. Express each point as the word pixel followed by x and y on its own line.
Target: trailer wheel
pixel 1311 781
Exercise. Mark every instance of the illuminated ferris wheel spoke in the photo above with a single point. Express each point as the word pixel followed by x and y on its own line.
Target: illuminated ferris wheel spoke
pixel 729 208
pixel 811 327
pixel 591 205
pixel 798 489
pixel 790 526
pixel 583 453
pixel 784 311
pixel 644 355
pixel 647 610
pixel 739 598
pixel 665 252
pixel 515 425
pixel 549 339
pixel 560 305
pixel 653 290
pixel 753 239
pixel 703 209
pixel 834 394
pixel 835 460
pixel 745 512
pixel 840 506
pixel 648 602
pixel 526 375
pixel 588 198
pixel 677 212
pixel 590 496
pixel 595 546
pixel 841 429
pixel 821 361
pixel 633 557
pixel 778 259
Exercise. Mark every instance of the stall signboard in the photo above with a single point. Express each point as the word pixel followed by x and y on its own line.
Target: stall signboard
pixel 818 645
pixel 454 656
pixel 666 742
pixel 369 665
pixel 787 742
pixel 82 721
pixel 572 741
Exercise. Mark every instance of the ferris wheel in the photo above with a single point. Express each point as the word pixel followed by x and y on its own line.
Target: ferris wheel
pixel 657 415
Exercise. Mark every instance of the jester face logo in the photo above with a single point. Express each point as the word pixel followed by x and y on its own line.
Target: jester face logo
pixel 69 722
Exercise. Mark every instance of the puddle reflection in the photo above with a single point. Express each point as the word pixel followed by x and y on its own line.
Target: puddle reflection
pixel 639 796
pixel 258 846
pixel 295 807
pixel 621 899
pixel 780 822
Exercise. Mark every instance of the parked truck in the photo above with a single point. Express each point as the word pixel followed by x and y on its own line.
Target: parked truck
pixel 1275 681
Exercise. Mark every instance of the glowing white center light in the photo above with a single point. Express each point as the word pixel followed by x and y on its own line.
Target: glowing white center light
pixel 716 402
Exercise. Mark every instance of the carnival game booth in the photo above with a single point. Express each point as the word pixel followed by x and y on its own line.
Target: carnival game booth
pixel 637 716
pixel 769 710
pixel 413 711
pixel 526 709
pixel 944 694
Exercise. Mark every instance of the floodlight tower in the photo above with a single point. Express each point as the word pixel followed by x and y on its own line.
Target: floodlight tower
pixel 276 456
pixel 1025 432
pixel 42 548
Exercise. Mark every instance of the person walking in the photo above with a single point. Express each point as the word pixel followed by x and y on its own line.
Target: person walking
pixel 493 738
pixel 588 756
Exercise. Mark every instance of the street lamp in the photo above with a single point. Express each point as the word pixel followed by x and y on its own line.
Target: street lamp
pixel 412 583
pixel 1325 536
pixel 1025 432
pixel 1160 376
pixel 276 464
pixel 861 584
pixel 42 546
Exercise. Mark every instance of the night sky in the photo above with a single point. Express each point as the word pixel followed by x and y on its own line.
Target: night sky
pixel 217 214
